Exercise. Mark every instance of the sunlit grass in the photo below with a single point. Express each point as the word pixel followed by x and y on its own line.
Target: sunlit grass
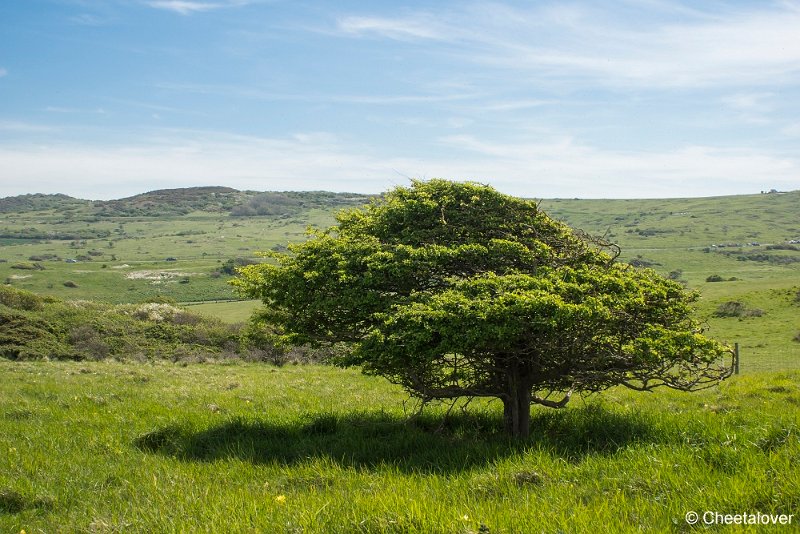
pixel 109 447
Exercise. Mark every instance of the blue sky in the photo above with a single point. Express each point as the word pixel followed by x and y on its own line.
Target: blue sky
pixel 640 98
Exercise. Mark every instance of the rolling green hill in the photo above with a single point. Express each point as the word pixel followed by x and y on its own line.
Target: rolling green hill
pixel 175 243
pixel 40 202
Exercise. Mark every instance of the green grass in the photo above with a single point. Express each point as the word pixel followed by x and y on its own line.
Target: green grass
pixel 230 312
pixel 110 447
pixel 129 262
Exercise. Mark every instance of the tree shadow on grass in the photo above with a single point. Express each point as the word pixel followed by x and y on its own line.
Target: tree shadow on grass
pixel 428 443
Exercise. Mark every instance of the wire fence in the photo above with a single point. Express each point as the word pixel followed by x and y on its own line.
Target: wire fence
pixel 756 358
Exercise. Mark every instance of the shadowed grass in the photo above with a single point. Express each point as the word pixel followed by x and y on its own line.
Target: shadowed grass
pixel 373 439
pixel 113 447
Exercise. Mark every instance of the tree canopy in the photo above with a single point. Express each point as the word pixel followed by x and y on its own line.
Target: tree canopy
pixel 456 290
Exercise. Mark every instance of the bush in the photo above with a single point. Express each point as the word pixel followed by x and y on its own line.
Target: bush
pixel 28 266
pixel 675 275
pixel 70 283
pixel 20 299
pixel 161 299
pixel 715 278
pixel 735 308
pixel 23 336
pixel 33 327
pixel 230 265
pixel 87 340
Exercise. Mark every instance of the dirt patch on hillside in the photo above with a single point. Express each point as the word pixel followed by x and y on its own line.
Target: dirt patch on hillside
pixel 157 276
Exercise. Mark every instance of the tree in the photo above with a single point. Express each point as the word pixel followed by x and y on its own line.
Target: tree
pixel 456 290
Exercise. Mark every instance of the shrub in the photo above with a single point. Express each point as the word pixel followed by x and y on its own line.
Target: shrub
pixel 44 257
pixel 230 265
pixel 161 299
pixel 675 275
pixel 70 283
pixel 87 340
pixel 156 312
pixel 735 308
pixel 28 266
pixel 25 336
pixel 715 278
pixel 20 299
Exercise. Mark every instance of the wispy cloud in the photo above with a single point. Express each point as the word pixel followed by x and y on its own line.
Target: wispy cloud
pixel 3 72
pixel 565 167
pixel 24 127
pixel 257 93
pixel 754 108
pixel 421 26
pixel 87 19
pixel 791 130
pixel 756 46
pixel 560 167
pixel 67 110
pixel 187 7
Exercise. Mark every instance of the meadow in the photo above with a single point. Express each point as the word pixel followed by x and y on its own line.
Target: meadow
pixel 182 434
pixel 236 447
pixel 175 246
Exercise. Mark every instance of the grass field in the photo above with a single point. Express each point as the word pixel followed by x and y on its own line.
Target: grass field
pixel 110 447
pixel 176 447
pixel 232 312
pixel 124 259
pixel 143 257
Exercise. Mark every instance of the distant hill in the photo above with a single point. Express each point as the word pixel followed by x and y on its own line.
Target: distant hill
pixel 273 203
pixel 682 222
pixel 165 202
pixel 182 201
pixel 40 202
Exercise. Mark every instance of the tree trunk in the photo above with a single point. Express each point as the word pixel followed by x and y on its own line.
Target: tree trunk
pixel 517 407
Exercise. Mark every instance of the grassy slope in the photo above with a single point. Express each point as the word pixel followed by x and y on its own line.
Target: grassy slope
pixel 684 229
pixel 673 234
pixel 109 447
pixel 200 242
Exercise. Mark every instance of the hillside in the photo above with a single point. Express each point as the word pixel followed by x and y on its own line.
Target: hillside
pixel 166 202
pixel 182 244
pixel 181 201
pixel 40 202
pixel 686 222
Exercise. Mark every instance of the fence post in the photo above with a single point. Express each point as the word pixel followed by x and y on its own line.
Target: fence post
pixel 736 358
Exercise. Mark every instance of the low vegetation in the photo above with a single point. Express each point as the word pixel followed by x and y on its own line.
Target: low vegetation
pixel 735 308
pixel 285 204
pixel 156 418
pixel 123 447
pixel 45 328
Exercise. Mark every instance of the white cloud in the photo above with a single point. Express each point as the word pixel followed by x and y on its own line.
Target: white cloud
pixel 260 94
pixel 418 27
pixel 565 167
pixel 24 127
pixel 754 108
pixel 66 110
pixel 87 19
pixel 791 130
pixel 187 7
pixel 754 46
pixel 3 72
pixel 318 160
pixel 749 101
